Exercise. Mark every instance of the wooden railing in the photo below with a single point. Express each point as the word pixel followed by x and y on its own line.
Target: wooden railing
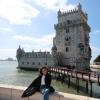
pixel 90 77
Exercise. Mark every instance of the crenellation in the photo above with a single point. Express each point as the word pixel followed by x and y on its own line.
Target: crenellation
pixel 36 54
pixel 68 12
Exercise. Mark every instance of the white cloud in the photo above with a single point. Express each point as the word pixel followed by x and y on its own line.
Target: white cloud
pixel 35 43
pixel 5 29
pixel 17 11
pixel 95 49
pixel 55 5
pixel 23 38
pixel 44 39
pixel 95 32
pixel 95 52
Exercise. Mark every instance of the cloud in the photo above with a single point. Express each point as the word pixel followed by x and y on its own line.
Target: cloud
pixel 95 49
pixel 17 11
pixel 5 29
pixel 55 5
pixel 22 12
pixel 95 46
pixel 44 39
pixel 35 43
pixel 23 38
pixel 95 32
pixel 95 52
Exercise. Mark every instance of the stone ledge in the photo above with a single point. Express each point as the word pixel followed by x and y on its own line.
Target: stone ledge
pixel 10 92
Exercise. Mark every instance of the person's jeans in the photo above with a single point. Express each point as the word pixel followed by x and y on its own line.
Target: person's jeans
pixel 45 92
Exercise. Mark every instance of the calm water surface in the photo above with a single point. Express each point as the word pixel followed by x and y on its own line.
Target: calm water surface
pixel 9 74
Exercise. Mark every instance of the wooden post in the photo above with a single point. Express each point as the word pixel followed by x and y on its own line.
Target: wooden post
pixel 68 81
pixel 64 71
pixel 55 74
pixel 67 73
pixel 77 83
pixel 89 77
pixel 90 89
pixel 86 86
pixel 82 76
pixel 71 73
pixel 76 74
pixel 98 79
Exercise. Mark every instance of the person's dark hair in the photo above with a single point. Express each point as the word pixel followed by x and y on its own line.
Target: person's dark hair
pixel 42 69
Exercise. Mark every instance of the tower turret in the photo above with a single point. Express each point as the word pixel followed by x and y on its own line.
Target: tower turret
pixel 79 6
pixel 19 53
pixel 54 53
pixel 54 48
pixel 59 12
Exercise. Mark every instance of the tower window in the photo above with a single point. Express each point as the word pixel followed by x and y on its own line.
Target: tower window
pixel 33 63
pixel 81 46
pixel 67 49
pixel 23 63
pixel 67 30
pixel 39 63
pixel 67 38
pixel 27 62
pixel 68 21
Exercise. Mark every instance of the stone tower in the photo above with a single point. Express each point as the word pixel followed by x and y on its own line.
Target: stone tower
pixel 72 38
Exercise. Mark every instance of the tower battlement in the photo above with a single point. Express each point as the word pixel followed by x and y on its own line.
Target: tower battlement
pixel 60 13
pixel 77 10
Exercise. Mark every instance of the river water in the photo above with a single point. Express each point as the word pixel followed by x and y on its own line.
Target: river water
pixel 9 74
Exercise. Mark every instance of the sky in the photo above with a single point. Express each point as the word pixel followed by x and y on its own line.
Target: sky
pixel 30 24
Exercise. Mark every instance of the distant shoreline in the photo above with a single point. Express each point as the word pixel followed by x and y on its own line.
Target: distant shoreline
pixel 8 60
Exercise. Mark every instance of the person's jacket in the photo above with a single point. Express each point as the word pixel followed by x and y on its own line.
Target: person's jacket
pixel 35 86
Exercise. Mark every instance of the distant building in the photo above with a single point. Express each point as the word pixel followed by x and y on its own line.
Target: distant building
pixel 10 59
pixel 70 44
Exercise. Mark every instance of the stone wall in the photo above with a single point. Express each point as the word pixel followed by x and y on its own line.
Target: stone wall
pixel 9 92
